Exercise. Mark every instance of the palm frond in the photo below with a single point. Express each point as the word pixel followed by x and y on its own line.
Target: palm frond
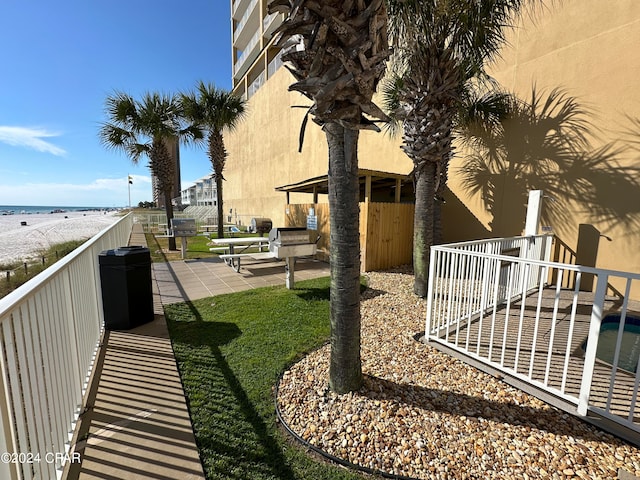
pixel 213 108
pixel 133 125
pixel 136 151
pixel 121 108
pixel 390 92
pixel 192 135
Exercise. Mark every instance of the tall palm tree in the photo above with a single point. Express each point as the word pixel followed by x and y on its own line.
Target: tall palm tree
pixel 215 110
pixel 146 127
pixel 337 51
pixel 441 48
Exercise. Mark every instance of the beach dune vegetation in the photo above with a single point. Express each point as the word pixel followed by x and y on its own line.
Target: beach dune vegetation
pixel 15 274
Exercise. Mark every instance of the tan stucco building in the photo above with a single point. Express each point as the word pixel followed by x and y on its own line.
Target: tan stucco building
pixel 586 48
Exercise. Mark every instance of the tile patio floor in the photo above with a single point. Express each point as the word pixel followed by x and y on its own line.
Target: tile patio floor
pixel 136 424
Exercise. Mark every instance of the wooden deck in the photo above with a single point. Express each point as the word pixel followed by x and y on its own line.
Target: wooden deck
pixel 509 340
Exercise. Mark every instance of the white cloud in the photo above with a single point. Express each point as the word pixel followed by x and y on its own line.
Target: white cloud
pixel 30 138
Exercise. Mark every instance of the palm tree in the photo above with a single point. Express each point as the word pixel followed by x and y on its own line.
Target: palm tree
pixel 215 110
pixel 441 48
pixel 145 128
pixel 337 51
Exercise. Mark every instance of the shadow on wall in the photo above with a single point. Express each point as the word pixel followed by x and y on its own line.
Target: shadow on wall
pixel 543 144
pixel 459 224
pixel 585 254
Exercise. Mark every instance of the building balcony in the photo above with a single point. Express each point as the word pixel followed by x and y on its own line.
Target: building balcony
pixel 238 7
pixel 249 54
pixel 248 24
pixel 270 23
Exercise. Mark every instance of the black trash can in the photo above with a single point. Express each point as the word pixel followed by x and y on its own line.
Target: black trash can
pixel 125 275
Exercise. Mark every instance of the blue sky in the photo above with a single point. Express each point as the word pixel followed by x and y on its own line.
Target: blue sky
pixel 59 62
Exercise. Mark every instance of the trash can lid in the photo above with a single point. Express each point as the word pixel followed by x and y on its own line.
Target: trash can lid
pixel 121 251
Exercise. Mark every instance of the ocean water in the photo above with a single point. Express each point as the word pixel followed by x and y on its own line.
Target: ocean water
pixel 22 209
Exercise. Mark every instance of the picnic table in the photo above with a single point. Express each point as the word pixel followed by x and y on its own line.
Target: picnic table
pixel 228 245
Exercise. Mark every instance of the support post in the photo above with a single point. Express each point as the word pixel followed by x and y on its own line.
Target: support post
pixel 367 188
pixel 433 258
pixel 592 344
pixel 184 247
pixel 534 208
pixel 289 263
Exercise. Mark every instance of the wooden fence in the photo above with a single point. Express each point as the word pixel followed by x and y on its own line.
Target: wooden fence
pixel 386 231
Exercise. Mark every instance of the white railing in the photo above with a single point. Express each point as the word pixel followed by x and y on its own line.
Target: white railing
pixel 243 20
pixel 256 84
pixel 50 328
pixel 274 65
pixel 503 303
pixel 248 51
pixel 157 222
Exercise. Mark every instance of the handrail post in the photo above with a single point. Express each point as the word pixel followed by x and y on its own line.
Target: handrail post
pixel 432 262
pixel 548 242
pixel 8 470
pixel 592 343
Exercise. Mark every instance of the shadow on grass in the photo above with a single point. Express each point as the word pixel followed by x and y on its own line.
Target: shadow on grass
pixel 323 293
pixel 234 440
pixel 314 294
pixel 231 350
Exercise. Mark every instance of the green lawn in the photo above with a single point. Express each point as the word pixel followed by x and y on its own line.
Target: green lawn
pixel 231 350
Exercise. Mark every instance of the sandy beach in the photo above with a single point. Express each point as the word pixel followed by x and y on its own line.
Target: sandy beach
pixel 20 242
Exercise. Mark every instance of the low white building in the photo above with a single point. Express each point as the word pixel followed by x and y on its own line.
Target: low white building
pixel 203 193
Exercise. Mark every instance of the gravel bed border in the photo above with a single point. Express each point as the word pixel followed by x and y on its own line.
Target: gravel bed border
pixel 422 414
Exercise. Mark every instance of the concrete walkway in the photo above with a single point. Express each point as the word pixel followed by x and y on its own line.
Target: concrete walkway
pixel 137 425
pixel 192 279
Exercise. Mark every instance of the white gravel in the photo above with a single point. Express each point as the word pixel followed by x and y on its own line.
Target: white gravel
pixel 426 415
pixel 22 242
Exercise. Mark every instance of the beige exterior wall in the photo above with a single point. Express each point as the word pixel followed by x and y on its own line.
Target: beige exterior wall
pixel 263 153
pixel 589 48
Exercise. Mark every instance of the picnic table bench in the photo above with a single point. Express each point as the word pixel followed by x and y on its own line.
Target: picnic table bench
pixel 232 258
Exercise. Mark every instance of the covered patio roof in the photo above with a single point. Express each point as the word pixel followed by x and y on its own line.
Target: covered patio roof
pixel 372 182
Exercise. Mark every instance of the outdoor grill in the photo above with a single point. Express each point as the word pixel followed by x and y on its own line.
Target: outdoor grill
pixel 287 242
pixel 261 225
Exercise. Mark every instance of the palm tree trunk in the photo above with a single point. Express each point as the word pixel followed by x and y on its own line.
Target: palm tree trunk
pixel 345 371
pixel 168 208
pixel 220 207
pixel 423 226
pixel 218 156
